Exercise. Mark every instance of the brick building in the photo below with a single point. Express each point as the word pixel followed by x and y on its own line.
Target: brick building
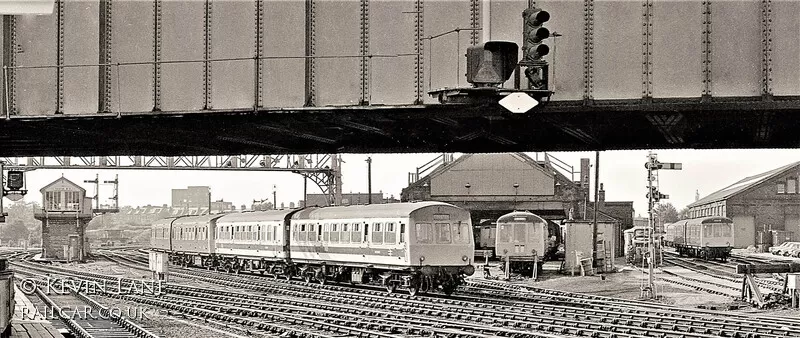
pixel 763 202
pixel 491 185
pixel 191 197
pixel 348 199
pixel 65 213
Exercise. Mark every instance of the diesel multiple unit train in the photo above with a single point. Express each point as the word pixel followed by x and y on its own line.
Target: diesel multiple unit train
pixel 706 238
pixel 417 246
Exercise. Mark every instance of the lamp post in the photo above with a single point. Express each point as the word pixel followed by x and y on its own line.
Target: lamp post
pixel 274 197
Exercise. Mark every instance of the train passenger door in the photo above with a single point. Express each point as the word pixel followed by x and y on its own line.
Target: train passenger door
pixel 744 233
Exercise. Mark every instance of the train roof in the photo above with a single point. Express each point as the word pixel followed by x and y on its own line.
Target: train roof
pixel 703 220
pixel 195 220
pixel 639 227
pixel 367 211
pixel 521 216
pixel 256 216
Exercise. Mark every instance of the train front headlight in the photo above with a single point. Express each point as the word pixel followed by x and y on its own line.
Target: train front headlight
pixel 421 258
pixel 464 258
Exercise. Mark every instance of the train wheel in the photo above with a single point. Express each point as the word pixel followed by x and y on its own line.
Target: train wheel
pixel 321 278
pixel 390 287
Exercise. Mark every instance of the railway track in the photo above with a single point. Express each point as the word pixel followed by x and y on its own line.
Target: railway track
pixel 478 302
pixel 723 272
pixel 81 314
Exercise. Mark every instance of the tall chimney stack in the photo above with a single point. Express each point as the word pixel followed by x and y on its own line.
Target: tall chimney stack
pixel 601 198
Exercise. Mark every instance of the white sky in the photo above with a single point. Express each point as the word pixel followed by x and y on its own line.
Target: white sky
pixel 622 173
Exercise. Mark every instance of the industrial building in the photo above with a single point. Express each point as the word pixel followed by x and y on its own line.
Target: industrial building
pixel 765 202
pixel 191 197
pixel 491 185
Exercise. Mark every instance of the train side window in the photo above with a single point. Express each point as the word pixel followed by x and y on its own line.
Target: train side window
pixel 402 233
pixel 355 235
pixel 344 237
pixel 319 232
pixel 303 233
pixel 389 235
pixel 335 233
pixel 275 233
pixel 258 232
pixel 377 234
pixel 423 233
pixel 443 235
pixel 709 230
pixel 366 232
pixel 326 234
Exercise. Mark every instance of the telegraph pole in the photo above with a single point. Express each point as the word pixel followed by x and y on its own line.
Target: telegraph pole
pixel 596 206
pixel 653 196
pixel 369 179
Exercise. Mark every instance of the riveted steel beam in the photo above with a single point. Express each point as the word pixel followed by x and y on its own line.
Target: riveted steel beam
pixel 766 49
pixel 706 50
pixel 104 71
pixel 207 44
pixel 311 74
pixel 588 50
pixel 419 29
pixel 60 56
pixel 157 31
pixel 259 53
pixel 10 60
pixel 474 20
pixel 647 49
pixel 364 50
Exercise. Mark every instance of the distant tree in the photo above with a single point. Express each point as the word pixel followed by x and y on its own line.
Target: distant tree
pixel 683 214
pixel 13 231
pixel 667 213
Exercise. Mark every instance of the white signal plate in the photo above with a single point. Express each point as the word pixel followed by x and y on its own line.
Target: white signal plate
pixel 518 103
pixel 17 7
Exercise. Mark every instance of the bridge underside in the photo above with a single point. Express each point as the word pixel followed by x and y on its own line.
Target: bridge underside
pixel 560 126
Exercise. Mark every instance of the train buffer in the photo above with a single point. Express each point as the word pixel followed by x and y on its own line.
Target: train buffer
pixel 750 289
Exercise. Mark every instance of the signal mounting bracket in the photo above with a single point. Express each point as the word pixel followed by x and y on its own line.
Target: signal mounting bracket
pixel 477 95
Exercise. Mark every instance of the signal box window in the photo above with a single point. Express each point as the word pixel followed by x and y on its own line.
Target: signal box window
pixel 781 188
pixel 791 186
